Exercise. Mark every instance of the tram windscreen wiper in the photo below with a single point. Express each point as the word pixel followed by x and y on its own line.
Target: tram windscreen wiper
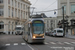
pixel 40 32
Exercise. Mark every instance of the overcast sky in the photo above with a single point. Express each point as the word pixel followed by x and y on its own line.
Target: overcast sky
pixel 44 5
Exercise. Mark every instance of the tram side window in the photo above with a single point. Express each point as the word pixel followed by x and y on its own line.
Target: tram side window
pixel 29 28
pixel 26 29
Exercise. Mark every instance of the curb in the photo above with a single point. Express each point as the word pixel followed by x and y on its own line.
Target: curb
pixel 70 38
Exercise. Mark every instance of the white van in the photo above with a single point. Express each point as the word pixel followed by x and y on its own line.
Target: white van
pixel 58 32
pixel 19 29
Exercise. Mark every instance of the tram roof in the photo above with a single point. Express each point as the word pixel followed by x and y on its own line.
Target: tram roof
pixel 36 16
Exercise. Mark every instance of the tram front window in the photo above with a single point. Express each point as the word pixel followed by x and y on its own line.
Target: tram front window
pixel 38 28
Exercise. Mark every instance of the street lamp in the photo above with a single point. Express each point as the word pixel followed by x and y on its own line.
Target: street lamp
pixel 51 25
pixel 67 24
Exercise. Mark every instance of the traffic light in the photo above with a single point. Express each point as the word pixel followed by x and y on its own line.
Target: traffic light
pixel 54 12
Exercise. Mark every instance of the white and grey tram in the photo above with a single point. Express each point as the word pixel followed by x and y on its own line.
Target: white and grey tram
pixel 34 30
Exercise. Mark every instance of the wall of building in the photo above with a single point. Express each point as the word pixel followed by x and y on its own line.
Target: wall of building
pixel 69 10
pixel 50 23
pixel 14 11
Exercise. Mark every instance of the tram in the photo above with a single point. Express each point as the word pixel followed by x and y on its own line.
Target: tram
pixel 34 30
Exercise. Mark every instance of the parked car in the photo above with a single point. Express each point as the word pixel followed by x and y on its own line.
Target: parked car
pixel 51 33
pixel 58 32
pixel 46 33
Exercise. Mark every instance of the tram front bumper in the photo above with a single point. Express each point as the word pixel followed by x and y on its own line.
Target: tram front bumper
pixel 38 40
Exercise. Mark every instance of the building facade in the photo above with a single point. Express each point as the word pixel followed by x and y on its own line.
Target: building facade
pixel 12 13
pixel 69 14
pixel 50 23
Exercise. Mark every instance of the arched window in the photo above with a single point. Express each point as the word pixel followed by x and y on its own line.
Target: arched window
pixel 1 25
pixel 12 25
pixel 9 25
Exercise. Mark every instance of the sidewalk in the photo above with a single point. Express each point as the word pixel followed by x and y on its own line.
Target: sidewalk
pixel 70 36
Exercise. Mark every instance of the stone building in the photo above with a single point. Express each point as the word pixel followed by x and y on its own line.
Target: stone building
pixel 69 15
pixel 12 13
pixel 50 23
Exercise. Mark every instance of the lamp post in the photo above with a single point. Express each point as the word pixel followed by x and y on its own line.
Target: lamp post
pixel 67 24
pixel 63 21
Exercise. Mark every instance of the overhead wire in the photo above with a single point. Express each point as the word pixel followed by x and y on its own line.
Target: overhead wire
pixel 35 3
pixel 47 10
pixel 50 4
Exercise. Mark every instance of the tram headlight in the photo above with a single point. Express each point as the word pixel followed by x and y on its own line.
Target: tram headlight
pixel 34 36
pixel 43 37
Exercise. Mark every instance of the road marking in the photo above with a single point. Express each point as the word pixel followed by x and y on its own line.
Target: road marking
pixel 52 43
pixel 15 43
pixel 30 47
pixel 60 43
pixel 73 42
pixel 23 43
pixel 46 43
pixel 66 42
pixel 7 44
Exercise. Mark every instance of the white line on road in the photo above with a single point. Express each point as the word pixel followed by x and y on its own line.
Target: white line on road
pixel 23 43
pixel 73 42
pixel 52 43
pixel 67 43
pixel 30 47
pixel 7 44
pixel 15 43
pixel 60 43
pixel 46 43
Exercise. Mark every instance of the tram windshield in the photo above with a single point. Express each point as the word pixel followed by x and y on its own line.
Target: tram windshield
pixel 38 28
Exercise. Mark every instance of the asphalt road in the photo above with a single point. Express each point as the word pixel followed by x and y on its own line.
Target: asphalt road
pixel 15 42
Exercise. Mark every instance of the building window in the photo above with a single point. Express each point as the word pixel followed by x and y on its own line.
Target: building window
pixel 8 11
pixel 12 25
pixel 24 7
pixel 1 25
pixel 47 23
pixel 15 13
pixel 72 8
pixel 12 12
pixel 64 9
pixel 18 5
pixel 12 2
pixel 1 1
pixel 16 23
pixel 15 3
pixel 8 1
pixel 23 15
pixel 9 25
pixel 1 11
pixel 26 13
pixel 21 5
pixel 19 14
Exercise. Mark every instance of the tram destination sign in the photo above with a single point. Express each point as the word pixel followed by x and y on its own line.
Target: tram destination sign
pixel 37 21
